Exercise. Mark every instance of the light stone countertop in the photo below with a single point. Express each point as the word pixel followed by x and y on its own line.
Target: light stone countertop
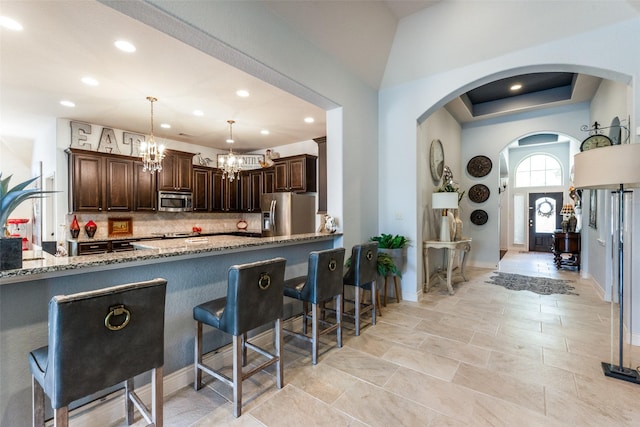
pixel 148 251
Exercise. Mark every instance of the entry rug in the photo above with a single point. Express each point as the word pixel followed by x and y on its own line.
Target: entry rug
pixel 539 285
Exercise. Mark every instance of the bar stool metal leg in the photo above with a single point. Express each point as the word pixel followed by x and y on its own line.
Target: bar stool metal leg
pixel 238 353
pixel 198 350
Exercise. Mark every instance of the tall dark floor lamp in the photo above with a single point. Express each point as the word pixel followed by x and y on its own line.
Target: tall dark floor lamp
pixel 615 167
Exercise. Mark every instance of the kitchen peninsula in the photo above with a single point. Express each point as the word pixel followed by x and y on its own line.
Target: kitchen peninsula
pixel 196 271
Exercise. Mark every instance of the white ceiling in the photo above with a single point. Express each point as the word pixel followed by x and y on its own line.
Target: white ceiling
pixel 63 41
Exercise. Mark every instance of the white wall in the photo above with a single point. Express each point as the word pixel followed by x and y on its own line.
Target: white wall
pixel 414 88
pixel 15 160
pixel 610 100
pixel 489 138
pixel 270 49
pixel 560 152
pixel 440 125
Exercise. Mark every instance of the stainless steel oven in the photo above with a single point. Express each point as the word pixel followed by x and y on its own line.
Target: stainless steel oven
pixel 169 201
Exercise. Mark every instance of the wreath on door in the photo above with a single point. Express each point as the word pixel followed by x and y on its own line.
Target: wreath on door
pixel 545 209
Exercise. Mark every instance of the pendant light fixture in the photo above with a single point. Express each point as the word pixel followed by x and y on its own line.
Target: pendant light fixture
pixel 230 164
pixel 150 152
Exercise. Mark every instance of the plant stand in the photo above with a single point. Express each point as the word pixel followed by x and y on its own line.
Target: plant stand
pixel 397 288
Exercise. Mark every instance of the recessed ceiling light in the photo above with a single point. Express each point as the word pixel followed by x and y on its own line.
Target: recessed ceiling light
pixel 309 120
pixel 10 24
pixel 67 103
pixel 90 81
pixel 516 86
pixel 264 131
pixel 242 93
pixel 125 46
pixel 165 126
pixel 198 113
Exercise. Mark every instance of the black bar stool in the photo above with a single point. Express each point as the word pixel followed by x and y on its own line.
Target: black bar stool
pixel 323 282
pixel 362 275
pixel 254 298
pixel 98 339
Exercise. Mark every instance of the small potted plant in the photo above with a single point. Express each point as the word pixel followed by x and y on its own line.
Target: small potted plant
pixel 394 247
pixel 10 198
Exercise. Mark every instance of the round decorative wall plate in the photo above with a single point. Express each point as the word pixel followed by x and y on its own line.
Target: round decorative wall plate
pixel 479 166
pixel 479 193
pixel 479 217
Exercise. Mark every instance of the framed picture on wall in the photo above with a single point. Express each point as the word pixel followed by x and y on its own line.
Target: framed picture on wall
pixel 593 209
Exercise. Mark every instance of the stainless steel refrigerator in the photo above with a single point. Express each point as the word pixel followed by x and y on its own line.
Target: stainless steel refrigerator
pixel 284 214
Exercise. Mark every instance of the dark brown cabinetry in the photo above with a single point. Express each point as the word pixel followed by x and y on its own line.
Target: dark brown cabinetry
pixel 100 247
pixel 145 195
pixel 269 180
pixel 566 243
pixel 107 182
pixel 201 189
pixel 296 173
pixel 177 172
pixel 118 184
pixel 251 189
pixel 100 182
pixel 225 194
pixel 85 177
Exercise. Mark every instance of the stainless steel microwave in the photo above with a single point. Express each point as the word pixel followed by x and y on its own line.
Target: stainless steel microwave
pixel 169 201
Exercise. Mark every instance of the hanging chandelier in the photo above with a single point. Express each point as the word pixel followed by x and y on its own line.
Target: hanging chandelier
pixel 150 152
pixel 231 165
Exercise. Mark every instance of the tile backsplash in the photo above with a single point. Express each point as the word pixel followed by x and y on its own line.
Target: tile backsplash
pixel 146 224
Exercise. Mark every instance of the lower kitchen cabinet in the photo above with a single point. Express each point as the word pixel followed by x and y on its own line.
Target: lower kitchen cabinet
pixel 99 247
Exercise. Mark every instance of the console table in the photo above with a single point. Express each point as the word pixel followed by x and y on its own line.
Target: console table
pixel 566 243
pixel 452 248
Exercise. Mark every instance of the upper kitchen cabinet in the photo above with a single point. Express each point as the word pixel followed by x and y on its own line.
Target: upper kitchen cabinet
pixel 251 188
pixel 145 195
pixel 296 173
pixel 177 172
pixel 269 180
pixel 225 194
pixel 201 189
pixel 100 182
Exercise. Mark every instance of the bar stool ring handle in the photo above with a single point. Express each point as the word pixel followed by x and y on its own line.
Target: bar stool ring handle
pixel 265 281
pixel 117 310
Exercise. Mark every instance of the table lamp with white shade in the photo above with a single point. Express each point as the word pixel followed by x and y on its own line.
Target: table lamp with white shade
pixel 445 201
pixel 615 167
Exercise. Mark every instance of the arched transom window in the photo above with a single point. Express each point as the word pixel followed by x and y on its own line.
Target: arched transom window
pixel 538 170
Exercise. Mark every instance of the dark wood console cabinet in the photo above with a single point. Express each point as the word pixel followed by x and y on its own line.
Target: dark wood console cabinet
pixel 566 243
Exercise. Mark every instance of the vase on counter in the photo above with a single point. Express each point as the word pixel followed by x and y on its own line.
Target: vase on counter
pixel 74 228
pixel 90 228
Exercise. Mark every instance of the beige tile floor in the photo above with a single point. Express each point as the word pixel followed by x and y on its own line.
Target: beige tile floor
pixel 485 356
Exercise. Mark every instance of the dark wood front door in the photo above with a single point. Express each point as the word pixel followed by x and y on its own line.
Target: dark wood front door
pixel 544 219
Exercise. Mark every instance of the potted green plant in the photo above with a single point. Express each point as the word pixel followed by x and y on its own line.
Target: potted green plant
pixel 10 198
pixel 385 265
pixel 393 246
